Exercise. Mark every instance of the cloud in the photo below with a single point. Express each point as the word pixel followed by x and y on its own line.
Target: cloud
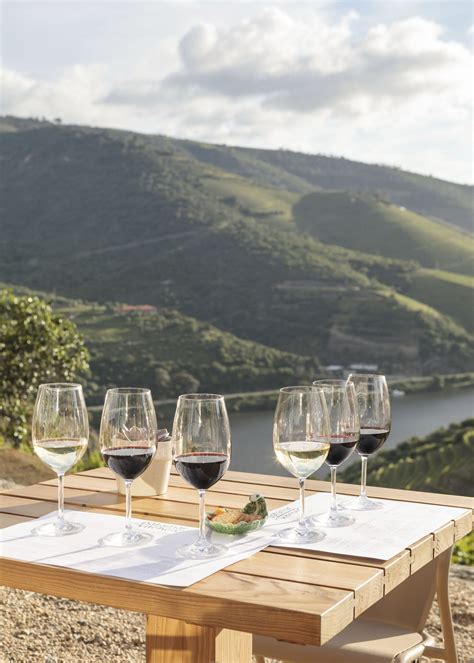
pixel 302 67
pixel 74 93
pixel 396 92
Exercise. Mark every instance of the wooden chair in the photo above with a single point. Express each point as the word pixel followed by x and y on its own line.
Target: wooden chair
pixel 391 631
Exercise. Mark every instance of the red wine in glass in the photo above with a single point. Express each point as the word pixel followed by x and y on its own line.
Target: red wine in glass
pixel 340 449
pixel 202 470
pixel 375 420
pixel 127 438
pixel 202 446
pixel 371 439
pixel 128 462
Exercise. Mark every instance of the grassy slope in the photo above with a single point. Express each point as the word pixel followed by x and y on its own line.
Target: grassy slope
pixel 442 462
pixel 110 215
pixel 452 203
pixel 364 223
pixel 127 348
pixel 302 173
pixel 452 294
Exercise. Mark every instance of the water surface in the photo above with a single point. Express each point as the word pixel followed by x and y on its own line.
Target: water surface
pixel 416 414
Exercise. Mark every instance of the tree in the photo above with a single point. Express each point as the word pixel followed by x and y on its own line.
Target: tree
pixel 184 383
pixel 36 345
pixel 162 379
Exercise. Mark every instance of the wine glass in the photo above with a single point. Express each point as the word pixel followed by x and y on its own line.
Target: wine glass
pixel 341 401
pixel 301 437
pixel 201 453
pixel 60 431
pixel 127 439
pixel 374 414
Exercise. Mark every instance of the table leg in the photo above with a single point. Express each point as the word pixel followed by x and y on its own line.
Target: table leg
pixel 174 641
pixel 442 594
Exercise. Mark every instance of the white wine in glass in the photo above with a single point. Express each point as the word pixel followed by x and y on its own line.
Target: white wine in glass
pixel 60 432
pixel 301 437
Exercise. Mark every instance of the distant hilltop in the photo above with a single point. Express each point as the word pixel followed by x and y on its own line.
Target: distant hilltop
pixel 319 256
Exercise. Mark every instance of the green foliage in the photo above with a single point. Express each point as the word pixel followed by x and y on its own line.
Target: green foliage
pixel 302 173
pixel 463 552
pixel 36 345
pixel 442 462
pixel 173 353
pixel 91 460
pixel 189 227
pixel 367 223
pixel 451 294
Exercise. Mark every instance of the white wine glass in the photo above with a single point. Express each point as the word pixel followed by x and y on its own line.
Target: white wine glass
pixel 60 432
pixel 373 402
pixel 128 432
pixel 301 436
pixel 201 452
pixel 343 414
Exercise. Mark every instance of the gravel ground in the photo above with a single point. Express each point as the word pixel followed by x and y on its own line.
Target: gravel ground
pixel 43 629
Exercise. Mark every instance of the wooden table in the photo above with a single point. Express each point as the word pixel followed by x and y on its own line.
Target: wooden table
pixel 297 596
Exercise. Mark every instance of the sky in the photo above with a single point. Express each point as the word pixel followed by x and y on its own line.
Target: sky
pixel 383 81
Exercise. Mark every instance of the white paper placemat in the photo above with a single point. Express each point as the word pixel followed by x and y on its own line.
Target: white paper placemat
pixel 155 562
pixel 377 534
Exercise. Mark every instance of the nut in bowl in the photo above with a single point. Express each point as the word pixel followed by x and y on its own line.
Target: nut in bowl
pixel 239 521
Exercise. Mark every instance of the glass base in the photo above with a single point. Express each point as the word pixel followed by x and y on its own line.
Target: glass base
pixel 301 535
pixel 126 539
pixel 58 528
pixel 362 503
pixel 332 519
pixel 200 550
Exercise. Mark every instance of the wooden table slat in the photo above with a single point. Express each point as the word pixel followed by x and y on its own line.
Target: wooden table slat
pixel 295 595
pixel 267 481
pixel 273 602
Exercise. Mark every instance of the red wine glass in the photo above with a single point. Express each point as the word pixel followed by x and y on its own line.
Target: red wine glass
pixel 341 401
pixel 373 401
pixel 201 453
pixel 128 433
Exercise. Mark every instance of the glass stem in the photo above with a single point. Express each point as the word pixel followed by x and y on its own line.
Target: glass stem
pixel 333 507
pixel 202 517
pixel 128 507
pixel 363 477
pixel 301 522
pixel 60 499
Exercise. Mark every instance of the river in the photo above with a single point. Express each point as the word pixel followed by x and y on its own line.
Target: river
pixel 416 414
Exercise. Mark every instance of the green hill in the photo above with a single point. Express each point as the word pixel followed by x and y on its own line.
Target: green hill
pixel 442 462
pixel 115 216
pixel 429 196
pixel 171 353
pixel 366 223
pixel 452 294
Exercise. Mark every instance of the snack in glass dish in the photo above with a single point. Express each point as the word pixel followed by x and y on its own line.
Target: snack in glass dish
pixel 239 521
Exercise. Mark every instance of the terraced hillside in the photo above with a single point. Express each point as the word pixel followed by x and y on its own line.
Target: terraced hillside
pixel 366 223
pixel 171 353
pixel 442 462
pixel 115 216
pixel 452 294
pixel 429 196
